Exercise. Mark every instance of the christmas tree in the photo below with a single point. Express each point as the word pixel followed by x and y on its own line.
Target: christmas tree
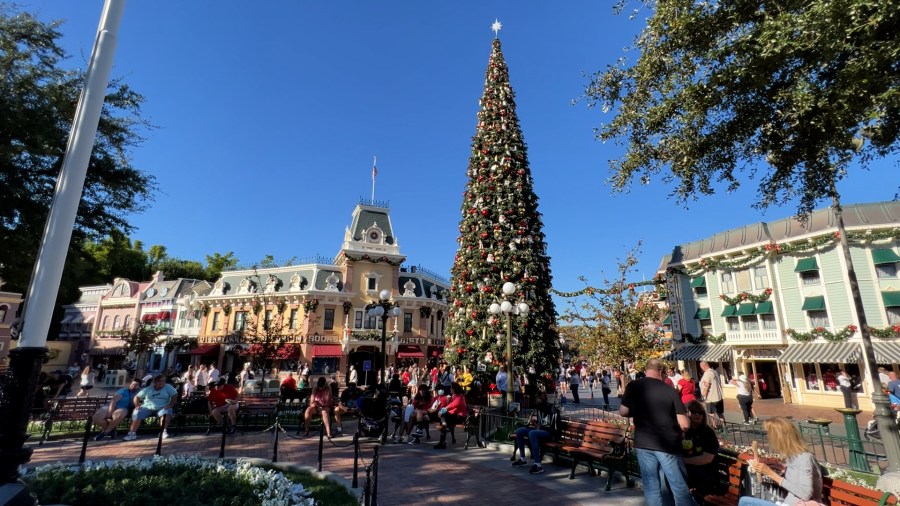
pixel 501 240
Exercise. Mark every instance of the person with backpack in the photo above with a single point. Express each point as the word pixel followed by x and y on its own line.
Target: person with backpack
pixel 543 426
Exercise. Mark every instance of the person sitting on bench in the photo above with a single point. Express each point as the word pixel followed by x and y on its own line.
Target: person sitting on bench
pixel 320 403
pixel 156 399
pixel 348 405
pixel 539 429
pixel 108 417
pixel 223 398
pixel 454 414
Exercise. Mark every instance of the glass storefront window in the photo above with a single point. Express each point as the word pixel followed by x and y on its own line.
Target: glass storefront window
pixel 811 377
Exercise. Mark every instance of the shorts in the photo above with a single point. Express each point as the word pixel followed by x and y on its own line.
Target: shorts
pixel 408 413
pixel 87 387
pixel 142 413
pixel 716 408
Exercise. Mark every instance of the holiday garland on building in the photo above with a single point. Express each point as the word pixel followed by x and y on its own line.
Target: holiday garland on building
pixel 501 240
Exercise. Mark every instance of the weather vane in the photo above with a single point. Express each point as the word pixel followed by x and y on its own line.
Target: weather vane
pixel 496 27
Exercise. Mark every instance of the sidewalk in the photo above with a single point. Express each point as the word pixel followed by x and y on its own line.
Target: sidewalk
pixel 408 474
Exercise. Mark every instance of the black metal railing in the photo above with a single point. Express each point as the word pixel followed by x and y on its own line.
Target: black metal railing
pixel 370 489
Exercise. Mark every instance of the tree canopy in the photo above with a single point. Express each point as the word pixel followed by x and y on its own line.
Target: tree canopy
pixel 38 98
pixel 794 91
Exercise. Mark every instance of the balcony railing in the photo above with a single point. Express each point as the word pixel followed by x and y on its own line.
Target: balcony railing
pixel 754 336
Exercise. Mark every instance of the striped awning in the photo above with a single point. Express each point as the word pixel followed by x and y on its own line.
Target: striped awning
pixel 821 353
pixel 711 352
pixel 887 352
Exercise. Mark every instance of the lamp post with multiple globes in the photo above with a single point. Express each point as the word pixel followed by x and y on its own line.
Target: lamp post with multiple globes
pixel 384 308
pixel 509 308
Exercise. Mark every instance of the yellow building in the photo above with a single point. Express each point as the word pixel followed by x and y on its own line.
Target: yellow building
pixel 319 309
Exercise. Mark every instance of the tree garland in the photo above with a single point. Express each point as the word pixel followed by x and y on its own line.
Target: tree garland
pixel 715 339
pixel 744 297
pixel 822 332
pixel 886 333
pixel 590 291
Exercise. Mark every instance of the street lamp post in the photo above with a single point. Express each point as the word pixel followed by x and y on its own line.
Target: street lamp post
pixel 384 308
pixel 508 308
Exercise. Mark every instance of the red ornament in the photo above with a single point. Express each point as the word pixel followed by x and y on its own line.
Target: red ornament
pixel 474 314
pixel 470 332
pixel 485 212
pixel 468 288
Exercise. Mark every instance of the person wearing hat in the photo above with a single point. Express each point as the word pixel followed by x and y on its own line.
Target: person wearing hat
pixel 154 400
pixel 745 397
pixel 223 399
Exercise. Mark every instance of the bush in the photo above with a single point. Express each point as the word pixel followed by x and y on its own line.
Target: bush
pixel 163 482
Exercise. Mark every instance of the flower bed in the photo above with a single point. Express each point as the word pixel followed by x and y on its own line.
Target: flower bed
pixel 165 481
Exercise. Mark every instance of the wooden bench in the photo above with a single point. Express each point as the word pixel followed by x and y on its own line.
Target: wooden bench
pixel 732 472
pixel 254 408
pixel 195 405
pixel 75 409
pixel 834 492
pixel 594 443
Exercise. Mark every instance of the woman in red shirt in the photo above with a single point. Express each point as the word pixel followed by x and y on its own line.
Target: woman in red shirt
pixel 320 403
pixel 452 415
pixel 686 386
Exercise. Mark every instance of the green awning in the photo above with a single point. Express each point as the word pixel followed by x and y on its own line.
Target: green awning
pixel 702 314
pixel 891 299
pixel 813 303
pixel 764 308
pixel 745 309
pixel 698 282
pixel 668 320
pixel 880 256
pixel 807 264
pixel 729 311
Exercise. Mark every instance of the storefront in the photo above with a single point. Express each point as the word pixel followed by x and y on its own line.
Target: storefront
pixel 814 371
pixel 409 354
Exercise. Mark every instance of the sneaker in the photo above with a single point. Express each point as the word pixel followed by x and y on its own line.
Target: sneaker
pixel 113 434
pixel 131 436
pixel 340 431
pixel 232 429
pixel 440 446
pixel 418 432
pixel 100 436
pixel 519 463
pixel 165 434
pixel 748 422
pixel 413 441
pixel 536 469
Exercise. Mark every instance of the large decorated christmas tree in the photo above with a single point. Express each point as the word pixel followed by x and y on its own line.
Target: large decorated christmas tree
pixel 501 240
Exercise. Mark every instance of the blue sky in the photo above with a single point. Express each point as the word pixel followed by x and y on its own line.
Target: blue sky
pixel 268 119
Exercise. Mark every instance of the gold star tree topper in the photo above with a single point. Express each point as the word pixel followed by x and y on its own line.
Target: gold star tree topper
pixel 496 26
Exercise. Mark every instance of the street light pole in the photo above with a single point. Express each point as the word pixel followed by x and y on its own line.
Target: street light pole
pixel 508 308
pixel 384 308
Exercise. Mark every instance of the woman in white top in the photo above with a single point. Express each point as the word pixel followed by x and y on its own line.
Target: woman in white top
pixel 745 397
pixel 87 382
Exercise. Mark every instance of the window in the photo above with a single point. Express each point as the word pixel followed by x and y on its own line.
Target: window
pixel 818 318
pixel 768 321
pixel 811 377
pixel 105 325
pixel 727 284
pixel 750 322
pixel 810 278
pixel 893 315
pixel 358 320
pixel 373 322
pixel 116 322
pixel 325 365
pixel 733 323
pixel 761 277
pixel 240 320
pixel 700 292
pixel 268 321
pixel 407 322
pixel 431 328
pixel 372 284
pixel 742 280
pixel 215 321
pixel 706 327
pixel 329 319
pixel 3 311
pixel 293 320
pixel 127 323
pixel 886 271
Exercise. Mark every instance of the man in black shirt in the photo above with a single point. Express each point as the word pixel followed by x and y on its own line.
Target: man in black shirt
pixel 659 421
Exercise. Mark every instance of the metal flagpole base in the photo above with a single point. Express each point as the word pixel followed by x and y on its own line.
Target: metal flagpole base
pixel 16 399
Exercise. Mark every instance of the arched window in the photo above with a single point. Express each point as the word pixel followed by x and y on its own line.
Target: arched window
pixel 105 325
pixel 127 324
pixel 116 322
pixel 3 310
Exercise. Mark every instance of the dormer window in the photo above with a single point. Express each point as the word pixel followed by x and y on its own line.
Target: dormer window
pixel 372 283
pixel 374 235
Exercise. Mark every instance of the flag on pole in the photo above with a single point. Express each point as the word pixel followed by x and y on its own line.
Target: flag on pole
pixel 374 168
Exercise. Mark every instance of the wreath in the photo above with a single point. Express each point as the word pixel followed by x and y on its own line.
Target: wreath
pixel 310 305
pixel 348 306
pixel 425 311
pixel 226 308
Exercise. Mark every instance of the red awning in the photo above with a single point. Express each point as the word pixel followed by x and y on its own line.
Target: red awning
pixel 206 349
pixel 148 317
pixel 435 351
pixel 409 351
pixel 328 350
pixel 288 352
pixel 165 315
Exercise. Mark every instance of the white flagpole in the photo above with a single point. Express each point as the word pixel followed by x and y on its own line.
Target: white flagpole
pixel 374 173
pixel 44 286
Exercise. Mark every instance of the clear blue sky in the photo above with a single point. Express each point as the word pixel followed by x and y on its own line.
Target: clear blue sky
pixel 268 116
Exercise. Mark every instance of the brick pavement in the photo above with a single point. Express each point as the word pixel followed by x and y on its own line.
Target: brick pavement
pixel 408 474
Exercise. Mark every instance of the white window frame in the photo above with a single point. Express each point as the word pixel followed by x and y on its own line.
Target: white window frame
pixel 893 315
pixel 768 322
pixel 761 282
pixel 818 319
pixel 727 281
pixel 749 322
pixel 733 323
pixel 886 271
pixel 807 279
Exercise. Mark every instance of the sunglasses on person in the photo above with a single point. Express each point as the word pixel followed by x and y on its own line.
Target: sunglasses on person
pixel 694 412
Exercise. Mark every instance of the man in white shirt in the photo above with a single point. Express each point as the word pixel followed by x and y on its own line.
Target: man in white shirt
pixel 711 388
pixel 213 374
pixel 675 377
